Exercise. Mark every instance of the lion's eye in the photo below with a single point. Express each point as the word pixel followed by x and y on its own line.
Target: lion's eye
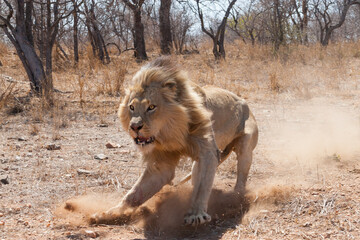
pixel 151 107
pixel 131 107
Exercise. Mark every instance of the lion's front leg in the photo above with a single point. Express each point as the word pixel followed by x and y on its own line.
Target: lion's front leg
pixel 203 174
pixel 151 181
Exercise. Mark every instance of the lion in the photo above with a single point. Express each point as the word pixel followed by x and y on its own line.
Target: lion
pixel 169 117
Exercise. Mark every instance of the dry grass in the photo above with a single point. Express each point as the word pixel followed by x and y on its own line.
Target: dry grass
pixel 6 91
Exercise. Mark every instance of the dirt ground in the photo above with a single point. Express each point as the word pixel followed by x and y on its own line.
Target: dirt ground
pixel 303 184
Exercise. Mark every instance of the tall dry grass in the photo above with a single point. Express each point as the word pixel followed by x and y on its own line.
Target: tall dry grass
pixel 6 91
pixel 249 71
pixel 295 70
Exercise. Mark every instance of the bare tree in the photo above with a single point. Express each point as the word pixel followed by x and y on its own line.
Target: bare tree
pixel 75 30
pixel 218 37
pixel 138 29
pixel 181 23
pixel 165 27
pixel 322 12
pixel 96 38
pixel 20 37
pixel 244 22
pixel 299 14
pixel 277 22
pixel 120 25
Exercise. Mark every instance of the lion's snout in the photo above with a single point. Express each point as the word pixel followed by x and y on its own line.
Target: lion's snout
pixel 136 124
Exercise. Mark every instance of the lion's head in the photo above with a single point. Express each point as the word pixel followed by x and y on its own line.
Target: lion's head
pixel 159 108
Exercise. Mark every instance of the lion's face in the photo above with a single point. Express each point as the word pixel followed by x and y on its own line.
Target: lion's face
pixel 143 112
pixel 151 115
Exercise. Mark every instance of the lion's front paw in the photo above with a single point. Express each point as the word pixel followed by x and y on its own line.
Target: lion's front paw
pixel 196 218
pixel 109 217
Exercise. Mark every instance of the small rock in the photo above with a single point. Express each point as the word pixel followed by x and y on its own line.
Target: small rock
pixel 307 224
pixel 4 180
pixel 2 223
pixel 100 156
pixel 85 172
pixel 53 147
pixel 1 214
pixel 124 152
pixel 112 145
pixel 91 234
pixel 102 125
pixel 22 139
pixel 264 211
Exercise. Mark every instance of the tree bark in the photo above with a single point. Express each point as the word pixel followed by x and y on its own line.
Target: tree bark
pixel 75 33
pixel 165 27
pixel 139 39
pixel 138 29
pixel 28 22
pixel 278 28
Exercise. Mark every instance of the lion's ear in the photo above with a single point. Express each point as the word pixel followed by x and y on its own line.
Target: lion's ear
pixel 170 84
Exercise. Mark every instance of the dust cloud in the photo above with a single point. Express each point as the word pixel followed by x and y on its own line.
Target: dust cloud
pixel 313 133
pixel 78 210
pixel 163 214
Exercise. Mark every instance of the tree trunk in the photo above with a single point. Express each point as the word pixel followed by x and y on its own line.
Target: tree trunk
pixel 75 34
pixel 278 28
pixel 139 39
pixel 305 22
pixel 31 62
pixel 221 40
pixel 96 39
pixel 216 53
pixel 165 27
pixel 28 22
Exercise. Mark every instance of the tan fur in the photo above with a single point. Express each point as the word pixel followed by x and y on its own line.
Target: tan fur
pixel 187 121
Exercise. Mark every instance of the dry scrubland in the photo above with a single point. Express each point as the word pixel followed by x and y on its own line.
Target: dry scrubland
pixel 303 184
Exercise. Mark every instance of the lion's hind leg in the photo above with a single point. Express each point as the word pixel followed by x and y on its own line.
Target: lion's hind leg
pixel 244 151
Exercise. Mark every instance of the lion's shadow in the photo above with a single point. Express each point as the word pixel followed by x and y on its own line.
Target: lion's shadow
pixel 166 220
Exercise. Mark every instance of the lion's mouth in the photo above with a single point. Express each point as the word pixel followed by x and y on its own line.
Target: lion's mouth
pixel 142 141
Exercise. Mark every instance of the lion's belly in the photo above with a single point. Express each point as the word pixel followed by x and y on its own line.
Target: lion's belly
pixel 227 117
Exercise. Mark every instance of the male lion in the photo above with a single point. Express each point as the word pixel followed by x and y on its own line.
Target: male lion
pixel 168 117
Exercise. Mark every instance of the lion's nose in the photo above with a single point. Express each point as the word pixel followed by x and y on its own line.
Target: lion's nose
pixel 136 126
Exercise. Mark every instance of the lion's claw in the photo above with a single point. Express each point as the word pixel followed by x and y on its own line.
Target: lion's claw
pixel 197 219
